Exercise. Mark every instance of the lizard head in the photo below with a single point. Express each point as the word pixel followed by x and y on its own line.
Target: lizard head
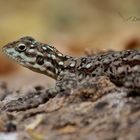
pixel 36 56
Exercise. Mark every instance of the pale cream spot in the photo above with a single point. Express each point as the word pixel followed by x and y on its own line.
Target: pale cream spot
pixel 49 47
pixel 56 71
pixel 32 45
pixel 88 65
pixel 49 55
pixel 39 53
pixel 44 48
pixel 53 56
pixel 79 67
pixel 59 54
pixel 31 51
pixel 72 64
pixel 48 64
pixel 61 63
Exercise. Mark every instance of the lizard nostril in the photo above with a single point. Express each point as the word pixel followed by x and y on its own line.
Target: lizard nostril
pixel 40 60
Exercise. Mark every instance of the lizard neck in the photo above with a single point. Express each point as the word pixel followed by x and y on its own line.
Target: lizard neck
pixel 53 60
pixel 49 60
pixel 57 62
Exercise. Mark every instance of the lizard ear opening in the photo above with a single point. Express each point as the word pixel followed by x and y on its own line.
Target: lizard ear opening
pixel 21 47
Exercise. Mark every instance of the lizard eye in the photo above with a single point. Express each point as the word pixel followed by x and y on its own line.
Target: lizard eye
pixel 21 47
pixel 40 60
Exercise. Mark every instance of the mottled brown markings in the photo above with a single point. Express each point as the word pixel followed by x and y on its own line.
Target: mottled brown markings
pixel 82 64
pixel 131 63
pixel 40 60
pixel 122 68
pixel 30 52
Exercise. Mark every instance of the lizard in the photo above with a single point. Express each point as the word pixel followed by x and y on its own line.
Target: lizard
pixel 122 68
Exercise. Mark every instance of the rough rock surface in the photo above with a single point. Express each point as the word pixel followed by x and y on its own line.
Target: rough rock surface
pixel 114 116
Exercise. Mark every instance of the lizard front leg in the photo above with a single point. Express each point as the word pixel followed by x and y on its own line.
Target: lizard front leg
pixel 64 84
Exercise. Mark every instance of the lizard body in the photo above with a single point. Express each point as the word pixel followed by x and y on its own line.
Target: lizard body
pixel 121 67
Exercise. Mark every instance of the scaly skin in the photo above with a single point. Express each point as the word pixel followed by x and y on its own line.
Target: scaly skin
pixel 122 68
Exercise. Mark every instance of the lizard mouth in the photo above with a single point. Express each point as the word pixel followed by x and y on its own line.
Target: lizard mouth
pixel 10 56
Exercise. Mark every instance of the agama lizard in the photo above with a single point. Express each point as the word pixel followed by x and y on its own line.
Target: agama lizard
pixel 121 67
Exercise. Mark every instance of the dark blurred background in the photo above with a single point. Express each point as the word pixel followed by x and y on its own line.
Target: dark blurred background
pixel 71 26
